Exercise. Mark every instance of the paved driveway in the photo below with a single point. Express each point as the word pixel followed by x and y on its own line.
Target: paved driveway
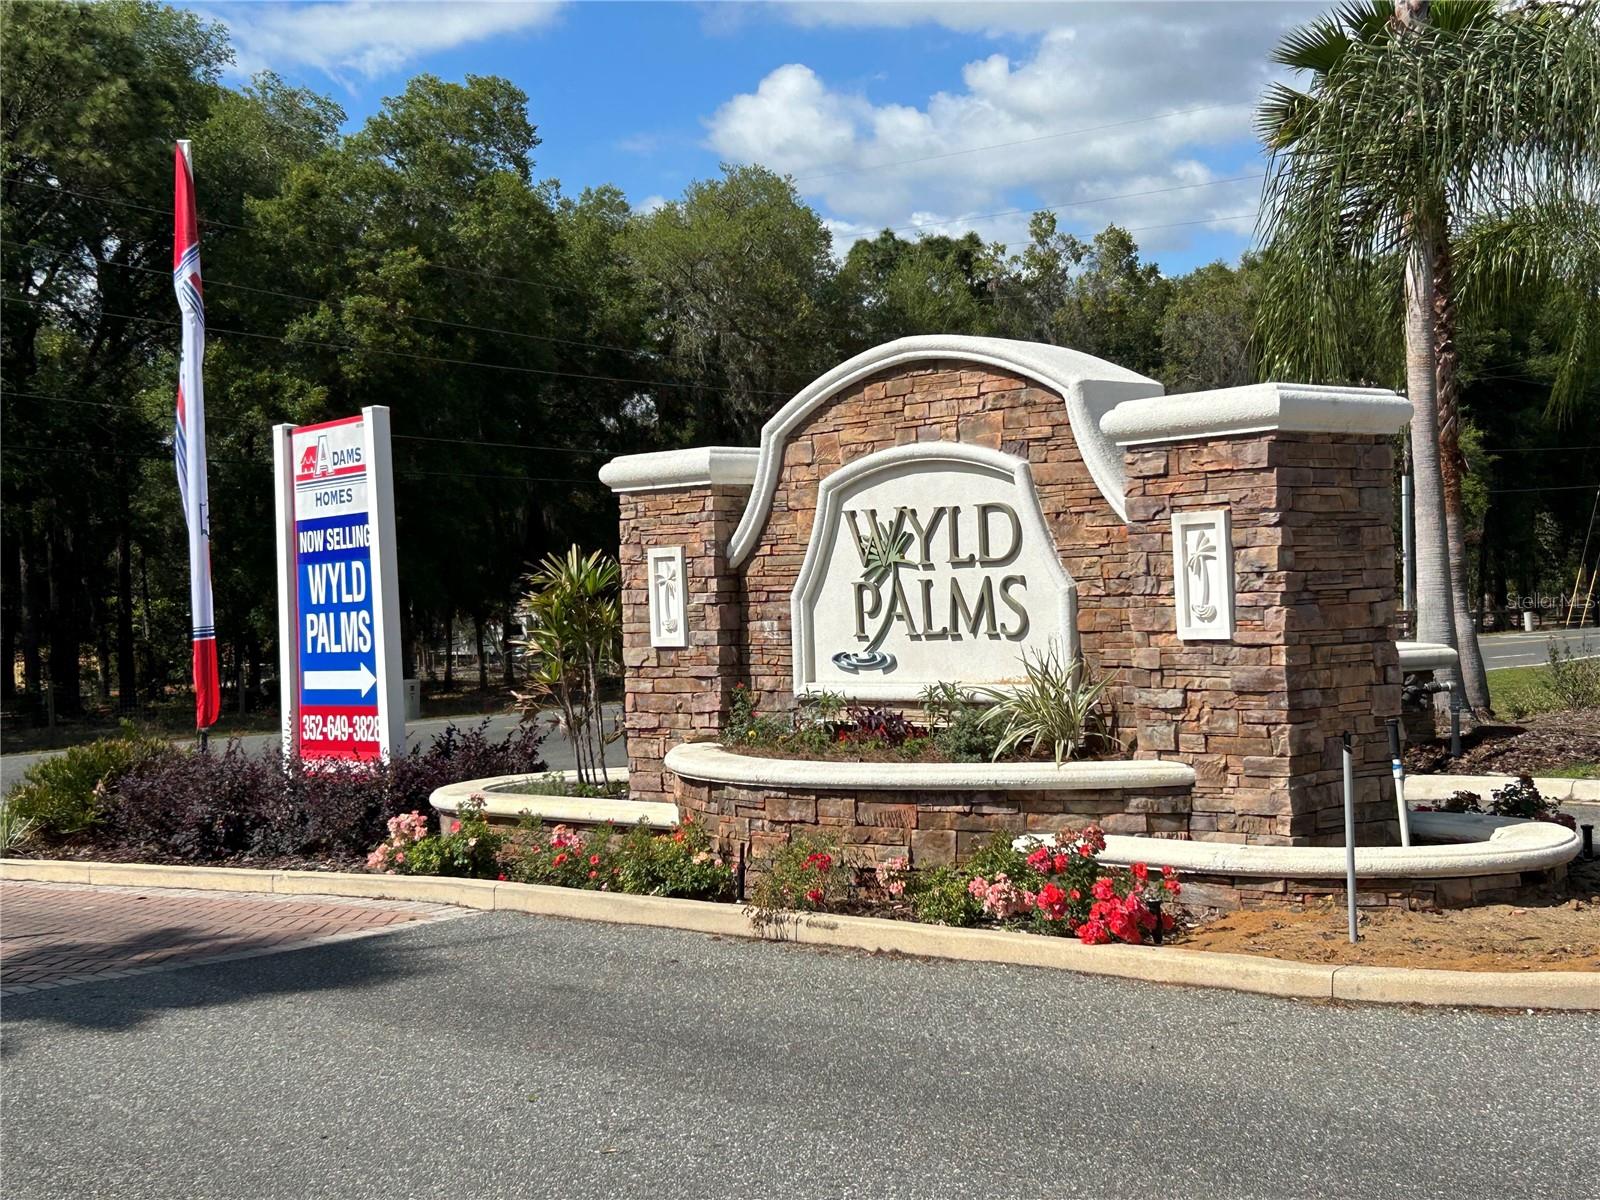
pixel 53 934
pixel 513 1056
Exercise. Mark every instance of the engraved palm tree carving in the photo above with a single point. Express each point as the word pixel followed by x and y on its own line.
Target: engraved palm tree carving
pixel 1202 553
pixel 883 553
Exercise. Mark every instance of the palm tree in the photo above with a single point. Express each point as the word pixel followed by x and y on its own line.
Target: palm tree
pixel 1419 118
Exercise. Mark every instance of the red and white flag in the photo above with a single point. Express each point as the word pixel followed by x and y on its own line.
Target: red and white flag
pixel 189 440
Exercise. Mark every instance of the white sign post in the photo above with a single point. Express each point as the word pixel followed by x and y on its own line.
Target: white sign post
pixel 338 593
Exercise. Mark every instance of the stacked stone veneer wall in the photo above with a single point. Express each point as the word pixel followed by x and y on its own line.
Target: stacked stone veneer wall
pixel 929 828
pixel 677 695
pixel 1259 717
pixel 929 402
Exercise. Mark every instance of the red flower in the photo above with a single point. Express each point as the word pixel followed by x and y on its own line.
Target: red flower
pixel 559 859
pixel 814 895
pixel 1103 889
pixel 1140 872
pixel 738 687
pixel 1172 885
pixel 592 874
pixel 501 876
pixel 1093 933
pixel 1168 873
pixel 819 861
pixel 1085 849
pixel 1039 859
pixel 594 860
pixel 1075 894
pixel 1061 862
pixel 1051 902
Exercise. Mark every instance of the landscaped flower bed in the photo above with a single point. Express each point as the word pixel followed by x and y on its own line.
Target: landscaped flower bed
pixel 1054 710
pixel 1061 890
pixel 140 798
pixel 604 859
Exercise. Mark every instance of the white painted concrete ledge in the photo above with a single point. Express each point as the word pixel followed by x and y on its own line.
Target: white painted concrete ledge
pixel 1502 847
pixel 1425 656
pixel 1428 788
pixel 708 762
pixel 1256 408
pixel 507 796
pixel 699 467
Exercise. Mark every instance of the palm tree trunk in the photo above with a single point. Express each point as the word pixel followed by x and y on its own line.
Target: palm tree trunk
pixel 1472 677
pixel 1435 608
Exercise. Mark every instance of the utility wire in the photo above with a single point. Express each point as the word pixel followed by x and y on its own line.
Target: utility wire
pixel 408 437
pixel 211 281
pixel 349 346
pixel 408 473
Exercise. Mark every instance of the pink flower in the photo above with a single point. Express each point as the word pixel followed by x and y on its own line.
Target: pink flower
pixel 1103 890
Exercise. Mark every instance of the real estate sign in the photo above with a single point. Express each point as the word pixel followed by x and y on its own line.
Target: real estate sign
pixel 338 598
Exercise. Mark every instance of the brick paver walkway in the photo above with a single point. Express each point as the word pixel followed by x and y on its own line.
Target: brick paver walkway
pixel 52 934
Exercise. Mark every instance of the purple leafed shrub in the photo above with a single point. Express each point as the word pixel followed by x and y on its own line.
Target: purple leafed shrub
pixel 230 805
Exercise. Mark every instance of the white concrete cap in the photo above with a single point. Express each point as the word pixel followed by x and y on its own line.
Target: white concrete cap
pixel 1500 847
pixel 709 762
pixel 1425 656
pixel 509 796
pixel 1090 387
pixel 1256 408
pixel 697 467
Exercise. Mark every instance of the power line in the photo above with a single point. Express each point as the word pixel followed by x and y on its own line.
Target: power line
pixel 220 224
pixel 406 473
pixel 458 362
pixel 1027 141
pixel 244 287
pixel 408 437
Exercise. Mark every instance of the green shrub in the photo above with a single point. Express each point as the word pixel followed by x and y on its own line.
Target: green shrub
pixel 70 792
pixel 806 874
pixel 940 897
pixel 639 862
pixel 1574 680
pixel 471 851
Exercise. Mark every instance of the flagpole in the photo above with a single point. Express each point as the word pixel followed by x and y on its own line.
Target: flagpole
pixel 189 439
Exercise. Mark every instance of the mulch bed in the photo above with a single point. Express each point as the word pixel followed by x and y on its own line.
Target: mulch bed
pixel 1537 746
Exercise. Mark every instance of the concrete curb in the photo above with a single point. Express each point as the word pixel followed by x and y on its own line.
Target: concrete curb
pixel 1440 787
pixel 1569 990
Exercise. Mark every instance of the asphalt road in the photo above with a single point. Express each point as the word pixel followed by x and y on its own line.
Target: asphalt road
pixel 557 750
pixel 511 1056
pixel 1533 649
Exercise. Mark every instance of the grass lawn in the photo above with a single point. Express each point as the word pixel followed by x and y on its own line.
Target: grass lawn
pixel 1521 691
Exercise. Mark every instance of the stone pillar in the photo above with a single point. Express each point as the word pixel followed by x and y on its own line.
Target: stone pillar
pixel 678 681
pixel 1305 476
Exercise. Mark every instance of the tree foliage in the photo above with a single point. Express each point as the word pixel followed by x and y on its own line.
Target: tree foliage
pixel 521 335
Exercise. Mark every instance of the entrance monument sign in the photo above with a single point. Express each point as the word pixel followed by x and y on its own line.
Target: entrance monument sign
pixel 926 563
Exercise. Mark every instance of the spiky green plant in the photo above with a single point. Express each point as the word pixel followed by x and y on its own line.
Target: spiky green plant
pixel 1055 705
pixel 575 640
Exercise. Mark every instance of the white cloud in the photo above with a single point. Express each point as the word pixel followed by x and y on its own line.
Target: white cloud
pixel 1063 121
pixel 369 37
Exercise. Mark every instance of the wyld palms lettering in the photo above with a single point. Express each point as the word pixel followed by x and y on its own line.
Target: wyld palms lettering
pixel 945 582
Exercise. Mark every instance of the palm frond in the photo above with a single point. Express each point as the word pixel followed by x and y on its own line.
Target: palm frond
pixel 1315 47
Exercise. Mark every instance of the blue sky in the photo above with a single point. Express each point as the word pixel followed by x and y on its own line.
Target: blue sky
pixel 910 115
